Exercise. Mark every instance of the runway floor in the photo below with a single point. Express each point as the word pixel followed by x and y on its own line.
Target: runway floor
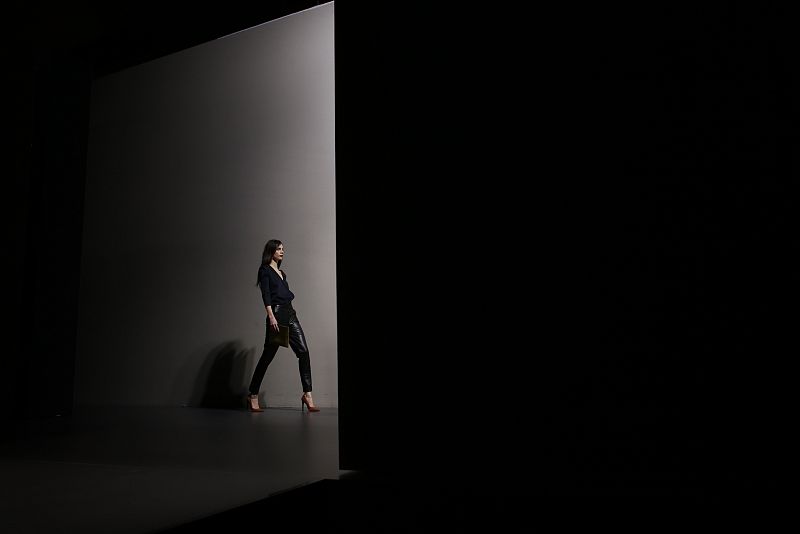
pixel 136 470
pixel 182 470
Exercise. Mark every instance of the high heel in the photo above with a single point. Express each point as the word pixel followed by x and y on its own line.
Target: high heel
pixel 304 401
pixel 252 404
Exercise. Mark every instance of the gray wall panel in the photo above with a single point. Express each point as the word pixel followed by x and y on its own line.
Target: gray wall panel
pixel 194 161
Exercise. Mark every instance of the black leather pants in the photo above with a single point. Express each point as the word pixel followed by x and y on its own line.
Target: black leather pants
pixel 297 342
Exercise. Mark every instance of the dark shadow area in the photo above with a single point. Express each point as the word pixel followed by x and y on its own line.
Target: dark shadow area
pixel 359 504
pixel 220 380
pixel 52 162
pixel 593 216
pixel 415 502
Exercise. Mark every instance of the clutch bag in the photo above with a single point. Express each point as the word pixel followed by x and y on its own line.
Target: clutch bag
pixel 281 337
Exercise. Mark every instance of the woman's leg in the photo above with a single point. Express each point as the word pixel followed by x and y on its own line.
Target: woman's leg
pixel 298 344
pixel 261 368
pixel 297 341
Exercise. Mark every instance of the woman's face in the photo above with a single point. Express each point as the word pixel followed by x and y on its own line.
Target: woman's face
pixel 278 255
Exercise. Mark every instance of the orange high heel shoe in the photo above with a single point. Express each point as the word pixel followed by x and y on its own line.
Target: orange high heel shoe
pixel 304 401
pixel 252 404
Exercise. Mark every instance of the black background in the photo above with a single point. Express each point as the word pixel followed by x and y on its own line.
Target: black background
pixel 548 227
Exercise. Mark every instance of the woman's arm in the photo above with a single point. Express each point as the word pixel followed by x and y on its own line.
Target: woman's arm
pixel 273 322
pixel 265 282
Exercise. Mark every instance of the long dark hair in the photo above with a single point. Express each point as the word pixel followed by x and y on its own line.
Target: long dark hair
pixel 266 256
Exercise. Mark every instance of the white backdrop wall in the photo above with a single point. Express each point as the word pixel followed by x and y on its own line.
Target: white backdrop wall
pixel 195 161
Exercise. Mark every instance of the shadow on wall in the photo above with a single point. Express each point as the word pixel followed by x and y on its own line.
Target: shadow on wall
pixel 221 381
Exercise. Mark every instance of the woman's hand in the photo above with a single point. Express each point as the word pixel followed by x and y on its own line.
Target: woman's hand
pixel 273 323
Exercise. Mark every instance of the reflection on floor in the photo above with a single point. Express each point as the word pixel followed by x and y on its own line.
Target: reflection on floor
pixel 133 470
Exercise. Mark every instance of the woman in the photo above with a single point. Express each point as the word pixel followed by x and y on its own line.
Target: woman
pixel 278 300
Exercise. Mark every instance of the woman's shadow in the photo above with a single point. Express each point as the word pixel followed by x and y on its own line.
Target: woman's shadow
pixel 221 380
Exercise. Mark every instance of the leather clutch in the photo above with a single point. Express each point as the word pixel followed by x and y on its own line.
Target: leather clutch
pixel 281 337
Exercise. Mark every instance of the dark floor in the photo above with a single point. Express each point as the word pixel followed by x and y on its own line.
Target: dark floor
pixel 138 470
pixel 186 470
